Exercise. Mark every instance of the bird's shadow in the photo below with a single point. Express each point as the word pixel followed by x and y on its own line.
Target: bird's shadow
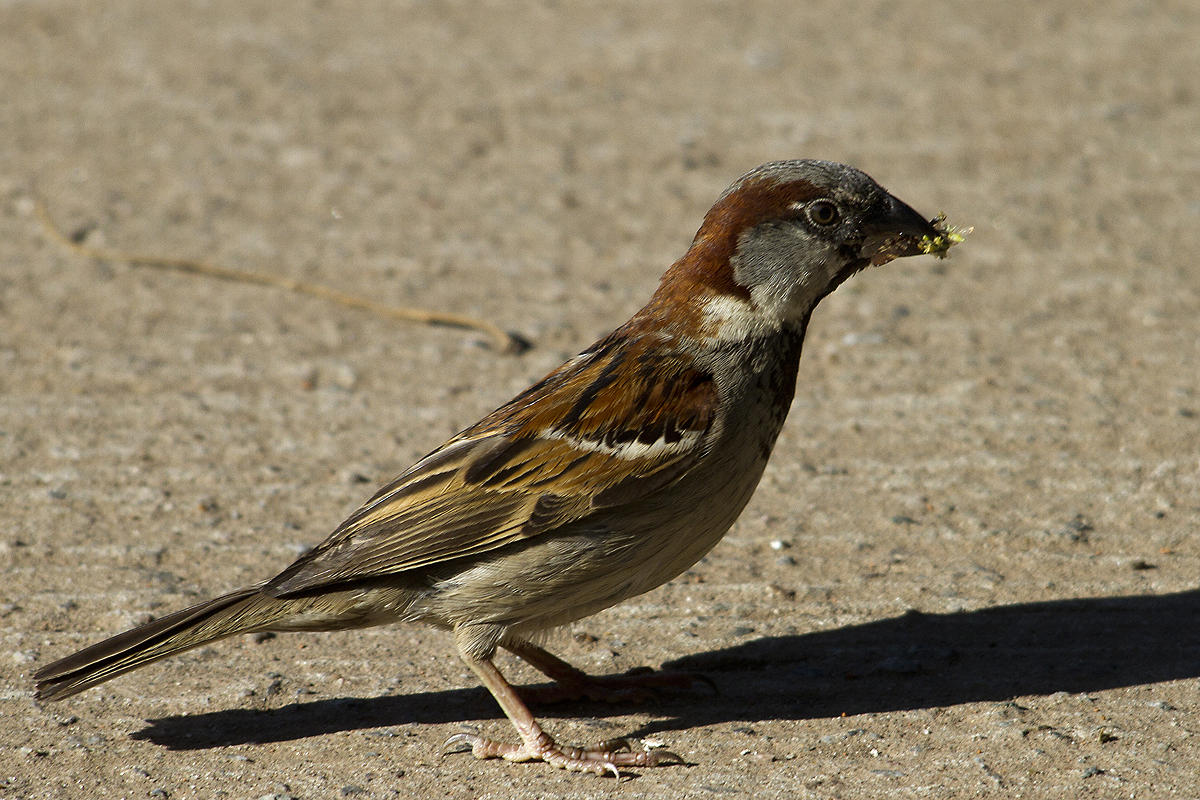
pixel 908 662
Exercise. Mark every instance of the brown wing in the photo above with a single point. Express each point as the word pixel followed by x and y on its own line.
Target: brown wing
pixel 609 426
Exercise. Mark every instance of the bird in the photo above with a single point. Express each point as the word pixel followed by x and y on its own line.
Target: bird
pixel 610 476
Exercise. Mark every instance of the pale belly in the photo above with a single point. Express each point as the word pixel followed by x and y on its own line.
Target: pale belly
pixel 571 573
pixel 566 574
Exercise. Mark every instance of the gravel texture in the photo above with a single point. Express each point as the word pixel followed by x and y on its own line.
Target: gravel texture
pixel 971 570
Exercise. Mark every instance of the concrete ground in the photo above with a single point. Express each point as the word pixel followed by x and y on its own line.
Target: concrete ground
pixel 971 569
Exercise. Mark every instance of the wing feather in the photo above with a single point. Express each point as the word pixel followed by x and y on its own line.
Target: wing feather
pixel 605 428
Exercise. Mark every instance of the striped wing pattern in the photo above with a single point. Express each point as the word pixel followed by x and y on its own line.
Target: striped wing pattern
pixel 608 427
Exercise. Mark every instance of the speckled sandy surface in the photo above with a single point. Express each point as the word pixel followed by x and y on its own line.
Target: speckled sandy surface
pixel 971 570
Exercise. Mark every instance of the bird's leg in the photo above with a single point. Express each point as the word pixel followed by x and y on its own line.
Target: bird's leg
pixel 536 745
pixel 571 683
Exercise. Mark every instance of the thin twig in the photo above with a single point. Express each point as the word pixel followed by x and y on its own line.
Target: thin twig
pixel 501 340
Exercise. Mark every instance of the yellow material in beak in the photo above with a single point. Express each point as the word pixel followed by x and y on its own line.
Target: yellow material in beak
pixel 947 236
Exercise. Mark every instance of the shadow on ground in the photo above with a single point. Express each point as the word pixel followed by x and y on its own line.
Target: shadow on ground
pixel 908 662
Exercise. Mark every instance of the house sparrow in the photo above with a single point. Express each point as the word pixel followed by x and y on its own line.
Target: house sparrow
pixel 608 477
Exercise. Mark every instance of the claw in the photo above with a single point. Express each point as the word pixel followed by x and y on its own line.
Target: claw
pixel 459 739
pixel 660 755
pixel 625 744
pixel 536 745
pixel 621 744
pixel 600 759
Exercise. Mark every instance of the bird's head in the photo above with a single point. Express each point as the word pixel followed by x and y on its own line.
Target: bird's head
pixel 782 237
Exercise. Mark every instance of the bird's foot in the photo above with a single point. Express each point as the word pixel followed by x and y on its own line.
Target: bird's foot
pixel 600 759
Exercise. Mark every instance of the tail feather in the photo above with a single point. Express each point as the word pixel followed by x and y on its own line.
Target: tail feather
pixel 242 611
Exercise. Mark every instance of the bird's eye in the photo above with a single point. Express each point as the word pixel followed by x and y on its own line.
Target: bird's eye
pixel 823 212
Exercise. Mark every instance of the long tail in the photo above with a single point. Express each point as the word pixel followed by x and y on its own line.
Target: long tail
pixel 242 611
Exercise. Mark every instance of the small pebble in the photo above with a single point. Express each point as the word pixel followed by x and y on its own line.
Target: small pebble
pixel 343 376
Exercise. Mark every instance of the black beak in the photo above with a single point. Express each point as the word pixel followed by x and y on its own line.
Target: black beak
pixel 895 231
